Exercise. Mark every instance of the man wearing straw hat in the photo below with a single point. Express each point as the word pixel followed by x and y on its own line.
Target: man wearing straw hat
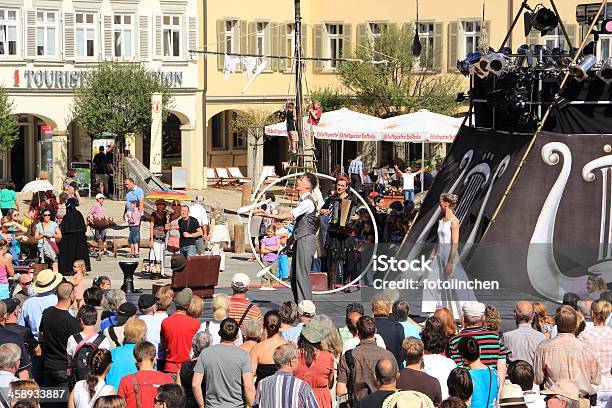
pixel 31 313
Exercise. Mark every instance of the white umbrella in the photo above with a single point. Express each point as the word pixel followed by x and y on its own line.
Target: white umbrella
pixel 36 186
pixel 421 126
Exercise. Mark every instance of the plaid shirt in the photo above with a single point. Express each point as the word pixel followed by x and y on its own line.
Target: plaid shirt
pixel 492 347
pixel 566 358
pixel 600 337
pixel 283 390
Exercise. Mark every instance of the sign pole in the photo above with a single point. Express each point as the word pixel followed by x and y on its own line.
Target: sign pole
pixel 155 162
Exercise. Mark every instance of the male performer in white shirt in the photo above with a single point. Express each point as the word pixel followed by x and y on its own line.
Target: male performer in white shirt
pixel 304 236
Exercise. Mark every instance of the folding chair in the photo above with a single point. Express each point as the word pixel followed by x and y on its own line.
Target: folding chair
pixel 270 172
pixel 222 174
pixel 236 174
pixel 211 175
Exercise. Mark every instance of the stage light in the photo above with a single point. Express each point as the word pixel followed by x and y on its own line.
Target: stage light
pixel 496 63
pixel 506 51
pixel 580 71
pixel 465 66
pixel 606 27
pixel 525 55
pixel 605 72
pixel 543 20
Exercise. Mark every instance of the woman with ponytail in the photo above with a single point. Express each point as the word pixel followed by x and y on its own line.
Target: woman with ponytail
pixel 86 391
pixel 261 353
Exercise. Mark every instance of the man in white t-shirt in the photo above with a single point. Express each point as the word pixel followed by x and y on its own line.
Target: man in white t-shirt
pixel 408 181
pixel 88 315
pixel 147 304
pixel 198 212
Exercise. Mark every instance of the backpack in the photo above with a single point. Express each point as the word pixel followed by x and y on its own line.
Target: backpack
pixel 80 361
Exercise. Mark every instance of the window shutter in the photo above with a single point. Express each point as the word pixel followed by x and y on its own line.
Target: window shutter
pixel 241 35
pixel 304 40
pixel 220 43
pixel 68 35
pixel 277 40
pixel 252 38
pixel 437 46
pixel 346 40
pixel 31 33
pixel 486 39
pixel 158 35
pixel 193 34
pixel 281 64
pixel 533 37
pixel 108 37
pixel 362 35
pixel 317 45
pixel 143 37
pixel 453 44
pixel 572 33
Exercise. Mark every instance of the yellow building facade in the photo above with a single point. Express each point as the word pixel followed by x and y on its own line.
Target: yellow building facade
pixel 332 29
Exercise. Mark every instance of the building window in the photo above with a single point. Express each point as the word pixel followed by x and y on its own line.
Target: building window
pixel 290 45
pixel 471 35
pixel 605 47
pixel 334 43
pixel 554 39
pixel 239 140
pixel 123 30
pixel 218 131
pixel 8 32
pixel 426 35
pixel 261 38
pixel 46 29
pixel 172 36
pixel 230 26
pixel 85 35
pixel 376 29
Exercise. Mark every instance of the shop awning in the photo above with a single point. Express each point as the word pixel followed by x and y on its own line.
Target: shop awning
pixel 341 124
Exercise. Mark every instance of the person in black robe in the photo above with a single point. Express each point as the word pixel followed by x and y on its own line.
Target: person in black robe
pixel 73 244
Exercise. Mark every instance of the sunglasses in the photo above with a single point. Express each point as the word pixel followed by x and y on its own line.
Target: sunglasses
pixel 158 401
pixel 46 215
pixel 26 283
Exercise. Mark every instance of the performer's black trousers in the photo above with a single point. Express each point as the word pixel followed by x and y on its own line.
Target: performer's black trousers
pixel 301 262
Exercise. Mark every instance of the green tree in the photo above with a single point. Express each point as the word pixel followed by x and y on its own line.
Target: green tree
pixel 251 123
pixel 390 81
pixel 331 98
pixel 9 129
pixel 115 98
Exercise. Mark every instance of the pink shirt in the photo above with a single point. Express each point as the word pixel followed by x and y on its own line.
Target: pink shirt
pixel 96 211
pixel 134 217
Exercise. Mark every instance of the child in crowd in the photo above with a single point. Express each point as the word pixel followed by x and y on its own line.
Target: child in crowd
pixel 133 219
pixel 270 244
pixel 282 268
pixel 78 281
pixel 102 282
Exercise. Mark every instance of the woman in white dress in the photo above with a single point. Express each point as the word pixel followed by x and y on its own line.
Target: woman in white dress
pixel 446 268
pixel 219 234
pixel 86 392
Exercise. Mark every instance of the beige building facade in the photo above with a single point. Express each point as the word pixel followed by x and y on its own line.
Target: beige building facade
pixel 449 30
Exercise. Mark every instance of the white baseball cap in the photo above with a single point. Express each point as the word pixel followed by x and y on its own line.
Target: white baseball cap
pixel 307 308
pixel 475 309
pixel 100 195
pixel 241 279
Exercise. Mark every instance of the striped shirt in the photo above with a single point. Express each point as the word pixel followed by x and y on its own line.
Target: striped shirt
pixel 355 167
pixel 283 390
pixel 492 347
pixel 238 305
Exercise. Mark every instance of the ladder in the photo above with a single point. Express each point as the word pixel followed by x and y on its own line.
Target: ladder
pixel 298 163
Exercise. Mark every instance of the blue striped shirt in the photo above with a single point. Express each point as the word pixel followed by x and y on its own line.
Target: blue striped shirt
pixel 283 390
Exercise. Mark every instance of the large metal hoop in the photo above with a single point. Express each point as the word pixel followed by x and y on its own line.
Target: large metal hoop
pixel 325 176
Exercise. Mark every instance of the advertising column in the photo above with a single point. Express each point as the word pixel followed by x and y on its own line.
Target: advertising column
pixel 155 164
